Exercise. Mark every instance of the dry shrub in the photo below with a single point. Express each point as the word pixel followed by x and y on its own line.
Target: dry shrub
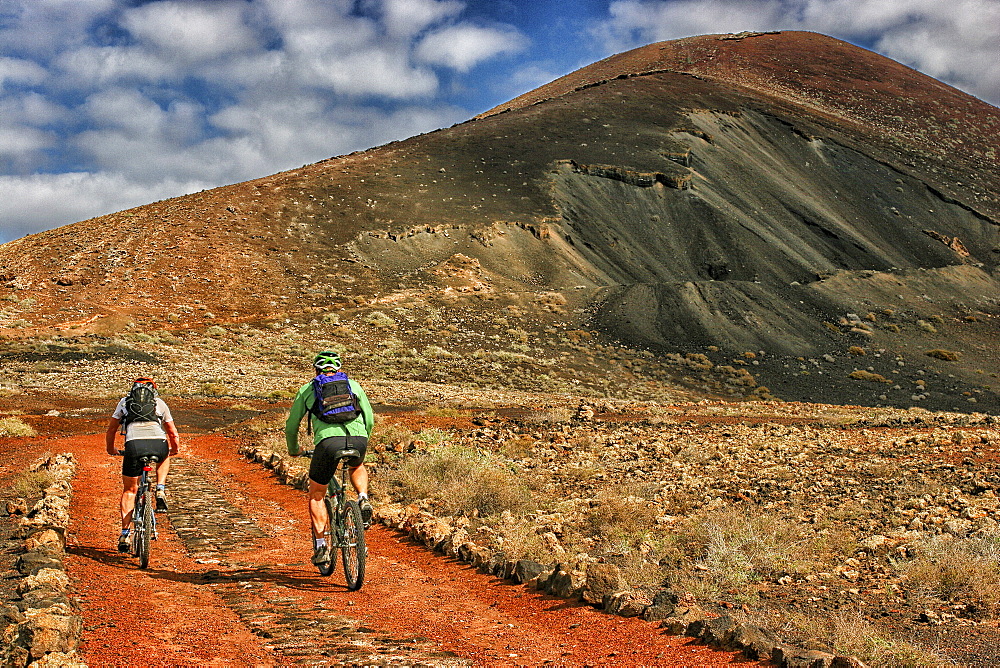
pixel 725 550
pixel 380 320
pixel 213 389
pixel 390 435
pixel 31 483
pixel 443 411
pixel 961 569
pixel 13 426
pixel 856 350
pixel 618 521
pixel 461 481
pixel 518 538
pixel 946 355
pixel 847 632
pixel 861 374
pixel 518 447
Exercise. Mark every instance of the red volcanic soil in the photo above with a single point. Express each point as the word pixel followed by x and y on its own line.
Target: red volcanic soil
pixel 259 601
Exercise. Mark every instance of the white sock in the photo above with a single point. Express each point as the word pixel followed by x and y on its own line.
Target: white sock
pixel 320 542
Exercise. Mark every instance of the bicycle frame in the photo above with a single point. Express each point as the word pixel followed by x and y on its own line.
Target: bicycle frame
pixel 141 511
pixel 345 530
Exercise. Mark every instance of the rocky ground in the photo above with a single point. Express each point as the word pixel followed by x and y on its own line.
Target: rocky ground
pixel 870 531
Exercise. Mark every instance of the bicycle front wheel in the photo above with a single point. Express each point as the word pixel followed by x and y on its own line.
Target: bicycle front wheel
pixel 148 506
pixel 353 545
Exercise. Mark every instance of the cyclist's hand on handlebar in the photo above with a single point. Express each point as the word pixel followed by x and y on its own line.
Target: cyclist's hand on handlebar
pixel 112 450
pixel 306 453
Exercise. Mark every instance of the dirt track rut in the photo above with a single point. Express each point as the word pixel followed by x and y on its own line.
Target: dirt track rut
pixel 230 583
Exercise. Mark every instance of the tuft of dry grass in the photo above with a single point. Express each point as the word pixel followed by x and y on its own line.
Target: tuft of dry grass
pixel 959 569
pixel 861 374
pixel 946 355
pixel 847 632
pixel 31 483
pixel 729 549
pixel 12 426
pixel 461 481
pixel 618 522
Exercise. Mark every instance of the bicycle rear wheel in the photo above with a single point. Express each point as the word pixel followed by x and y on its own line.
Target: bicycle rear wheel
pixel 329 567
pixel 353 545
pixel 148 506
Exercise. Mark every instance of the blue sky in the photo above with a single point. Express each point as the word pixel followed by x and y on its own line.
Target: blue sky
pixel 109 104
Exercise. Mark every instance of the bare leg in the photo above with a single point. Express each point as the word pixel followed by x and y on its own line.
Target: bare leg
pixel 129 488
pixel 359 479
pixel 317 509
pixel 161 472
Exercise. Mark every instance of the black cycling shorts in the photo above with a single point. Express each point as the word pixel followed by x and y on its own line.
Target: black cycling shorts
pixel 324 458
pixel 131 466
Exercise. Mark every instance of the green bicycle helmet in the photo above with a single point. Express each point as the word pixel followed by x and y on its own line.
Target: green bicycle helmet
pixel 327 361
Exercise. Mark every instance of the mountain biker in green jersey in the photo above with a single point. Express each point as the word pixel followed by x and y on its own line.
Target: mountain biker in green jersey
pixel 329 439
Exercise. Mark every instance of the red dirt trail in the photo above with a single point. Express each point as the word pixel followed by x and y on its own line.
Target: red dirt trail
pixel 228 610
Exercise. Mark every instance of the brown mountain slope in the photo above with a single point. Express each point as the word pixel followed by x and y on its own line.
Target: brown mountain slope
pixel 785 195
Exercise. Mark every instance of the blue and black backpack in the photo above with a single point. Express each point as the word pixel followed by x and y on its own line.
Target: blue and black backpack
pixel 333 400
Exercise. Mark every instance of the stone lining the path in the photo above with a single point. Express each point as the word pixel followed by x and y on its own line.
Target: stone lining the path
pixel 599 584
pixel 43 626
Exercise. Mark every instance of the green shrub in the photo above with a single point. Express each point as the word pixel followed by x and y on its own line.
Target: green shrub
pixel 433 436
pixel 215 330
pixel 13 426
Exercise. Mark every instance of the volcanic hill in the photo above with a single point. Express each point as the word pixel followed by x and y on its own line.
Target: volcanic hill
pixel 815 220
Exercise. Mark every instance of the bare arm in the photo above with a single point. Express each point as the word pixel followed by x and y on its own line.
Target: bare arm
pixel 173 438
pixel 109 437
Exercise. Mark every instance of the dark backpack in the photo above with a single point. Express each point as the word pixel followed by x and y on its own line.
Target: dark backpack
pixel 140 404
pixel 333 400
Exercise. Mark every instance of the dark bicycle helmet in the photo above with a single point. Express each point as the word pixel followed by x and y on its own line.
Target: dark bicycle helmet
pixel 146 380
pixel 327 361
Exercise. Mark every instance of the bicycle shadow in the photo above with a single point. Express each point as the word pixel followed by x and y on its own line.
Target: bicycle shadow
pixel 293 576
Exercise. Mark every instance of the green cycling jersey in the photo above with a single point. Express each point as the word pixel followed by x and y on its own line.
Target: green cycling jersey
pixel 360 426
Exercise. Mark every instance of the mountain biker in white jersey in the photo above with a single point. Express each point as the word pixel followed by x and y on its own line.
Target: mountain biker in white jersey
pixel 329 439
pixel 147 437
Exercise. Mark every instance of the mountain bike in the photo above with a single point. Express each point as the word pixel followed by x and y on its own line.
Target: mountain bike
pixel 144 511
pixel 345 530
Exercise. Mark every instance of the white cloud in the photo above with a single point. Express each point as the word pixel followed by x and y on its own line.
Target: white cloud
pixel 152 99
pixel 20 71
pixel 31 108
pixel 405 18
pixel 461 47
pixel 17 141
pixel 954 41
pixel 41 200
pixel 39 28
pixel 192 31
